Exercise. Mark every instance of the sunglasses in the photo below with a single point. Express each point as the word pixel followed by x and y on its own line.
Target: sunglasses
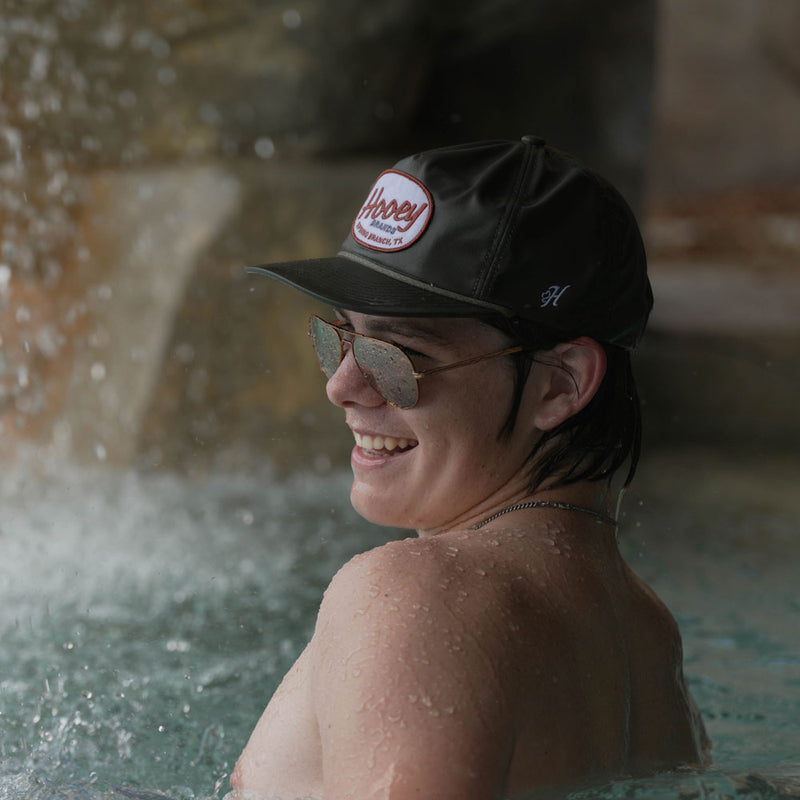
pixel 386 368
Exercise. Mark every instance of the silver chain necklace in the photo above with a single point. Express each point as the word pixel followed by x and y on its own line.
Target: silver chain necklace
pixel 549 504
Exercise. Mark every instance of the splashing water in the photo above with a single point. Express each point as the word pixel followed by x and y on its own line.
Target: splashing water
pixel 146 621
pixel 147 618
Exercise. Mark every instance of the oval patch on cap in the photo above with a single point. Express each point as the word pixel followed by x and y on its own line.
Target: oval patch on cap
pixel 395 214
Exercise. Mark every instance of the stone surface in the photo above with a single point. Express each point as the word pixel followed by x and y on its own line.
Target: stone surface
pixel 727 96
pixel 123 82
pixel 80 363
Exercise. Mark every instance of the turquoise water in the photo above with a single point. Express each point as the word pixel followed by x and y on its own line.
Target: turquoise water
pixel 145 620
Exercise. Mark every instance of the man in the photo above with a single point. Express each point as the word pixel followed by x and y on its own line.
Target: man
pixel 486 301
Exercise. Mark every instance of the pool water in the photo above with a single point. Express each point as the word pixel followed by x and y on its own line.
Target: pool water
pixel 145 620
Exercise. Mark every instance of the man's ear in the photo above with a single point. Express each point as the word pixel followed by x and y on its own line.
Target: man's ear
pixel 570 376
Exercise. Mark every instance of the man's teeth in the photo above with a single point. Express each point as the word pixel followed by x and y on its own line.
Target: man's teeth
pixel 368 442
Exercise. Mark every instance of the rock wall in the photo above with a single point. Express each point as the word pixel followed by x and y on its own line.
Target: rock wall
pixel 151 148
pixel 727 97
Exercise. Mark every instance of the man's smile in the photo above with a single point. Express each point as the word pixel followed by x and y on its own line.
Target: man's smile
pixel 377 445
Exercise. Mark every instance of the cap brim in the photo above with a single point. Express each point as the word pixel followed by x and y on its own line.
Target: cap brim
pixel 343 281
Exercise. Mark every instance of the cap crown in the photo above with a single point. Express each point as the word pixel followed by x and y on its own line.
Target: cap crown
pixel 517 228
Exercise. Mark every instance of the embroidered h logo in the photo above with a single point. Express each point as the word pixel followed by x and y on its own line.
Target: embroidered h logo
pixel 552 295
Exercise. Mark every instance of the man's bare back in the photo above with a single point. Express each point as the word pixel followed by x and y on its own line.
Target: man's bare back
pixel 478 664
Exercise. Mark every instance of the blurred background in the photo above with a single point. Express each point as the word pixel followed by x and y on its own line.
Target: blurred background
pixel 150 150
pixel 173 483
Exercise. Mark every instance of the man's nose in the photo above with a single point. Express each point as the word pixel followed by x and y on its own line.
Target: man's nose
pixel 348 386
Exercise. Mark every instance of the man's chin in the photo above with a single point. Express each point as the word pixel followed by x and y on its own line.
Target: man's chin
pixel 378 511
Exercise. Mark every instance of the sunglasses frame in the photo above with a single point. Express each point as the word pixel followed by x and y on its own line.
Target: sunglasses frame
pixel 348 336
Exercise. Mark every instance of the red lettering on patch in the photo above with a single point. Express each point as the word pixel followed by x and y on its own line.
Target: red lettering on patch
pixel 399 200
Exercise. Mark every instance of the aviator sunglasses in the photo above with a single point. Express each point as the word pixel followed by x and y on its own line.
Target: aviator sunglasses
pixel 386 368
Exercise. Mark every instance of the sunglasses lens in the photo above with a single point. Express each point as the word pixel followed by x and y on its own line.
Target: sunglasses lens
pixel 388 370
pixel 326 344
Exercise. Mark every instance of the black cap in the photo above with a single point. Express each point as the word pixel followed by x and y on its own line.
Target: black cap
pixel 517 229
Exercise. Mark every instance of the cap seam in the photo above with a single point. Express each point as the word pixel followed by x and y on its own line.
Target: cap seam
pixel 504 227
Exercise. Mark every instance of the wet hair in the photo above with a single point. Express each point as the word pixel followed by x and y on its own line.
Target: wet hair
pixel 592 444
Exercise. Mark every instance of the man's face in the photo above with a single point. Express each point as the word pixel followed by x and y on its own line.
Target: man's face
pixel 443 464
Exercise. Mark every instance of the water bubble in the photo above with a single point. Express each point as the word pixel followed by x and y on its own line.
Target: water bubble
pixel 91 144
pixel 112 35
pixel 166 76
pixel 292 19
pixel 160 48
pixel 126 98
pixel 264 147
pixel 184 352
pixel 30 109
pixel 40 64
pixel 99 451
pixel 142 39
pixel 209 114
pixel 98 371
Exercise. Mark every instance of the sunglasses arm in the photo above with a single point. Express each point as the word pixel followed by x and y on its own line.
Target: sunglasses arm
pixel 468 361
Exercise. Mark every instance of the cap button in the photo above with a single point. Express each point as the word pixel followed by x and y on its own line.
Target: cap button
pixel 535 141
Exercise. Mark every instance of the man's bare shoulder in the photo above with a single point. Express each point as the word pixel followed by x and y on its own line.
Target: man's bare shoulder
pixel 430 606
pixel 442 596
pixel 435 575
pixel 406 668
pixel 406 581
